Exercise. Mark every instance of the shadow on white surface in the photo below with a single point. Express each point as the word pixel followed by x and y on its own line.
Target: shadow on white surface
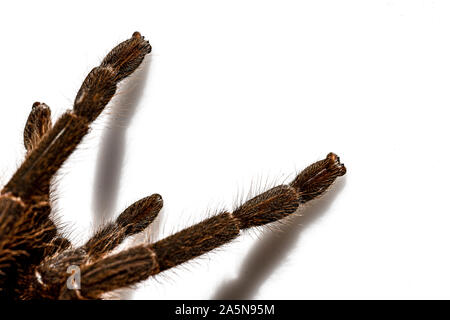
pixel 257 267
pixel 112 148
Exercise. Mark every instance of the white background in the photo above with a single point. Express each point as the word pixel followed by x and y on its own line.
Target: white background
pixel 239 95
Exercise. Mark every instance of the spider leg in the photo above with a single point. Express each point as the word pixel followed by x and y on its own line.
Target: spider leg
pixel 37 125
pixel 133 220
pixel 138 263
pixel 39 122
pixel 33 177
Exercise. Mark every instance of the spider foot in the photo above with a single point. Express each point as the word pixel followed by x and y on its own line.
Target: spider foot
pixel 315 179
pixel 127 56
pixel 133 220
pixel 140 214
pixel 38 123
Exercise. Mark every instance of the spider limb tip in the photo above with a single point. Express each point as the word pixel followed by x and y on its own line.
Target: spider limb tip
pixel 335 161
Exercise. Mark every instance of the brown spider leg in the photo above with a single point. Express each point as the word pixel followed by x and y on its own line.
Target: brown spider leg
pixel 133 220
pixel 138 263
pixel 32 179
pixel 39 122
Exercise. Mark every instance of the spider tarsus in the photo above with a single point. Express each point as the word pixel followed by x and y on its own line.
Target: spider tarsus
pixel 101 83
pixel 39 122
pixel 318 177
pixel 140 214
pixel 133 220
pixel 127 56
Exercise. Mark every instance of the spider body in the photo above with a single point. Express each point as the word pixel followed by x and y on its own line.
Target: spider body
pixel 36 259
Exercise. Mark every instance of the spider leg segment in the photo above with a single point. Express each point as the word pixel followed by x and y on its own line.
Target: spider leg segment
pixel 39 122
pixel 138 263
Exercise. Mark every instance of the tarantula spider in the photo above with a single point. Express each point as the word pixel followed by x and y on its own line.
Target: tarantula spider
pixel 35 257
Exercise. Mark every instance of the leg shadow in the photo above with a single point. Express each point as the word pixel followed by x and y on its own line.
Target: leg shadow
pixel 256 267
pixel 112 149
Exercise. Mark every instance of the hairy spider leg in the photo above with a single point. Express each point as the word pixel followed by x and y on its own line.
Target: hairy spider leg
pixel 138 263
pixel 133 220
pixel 34 175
